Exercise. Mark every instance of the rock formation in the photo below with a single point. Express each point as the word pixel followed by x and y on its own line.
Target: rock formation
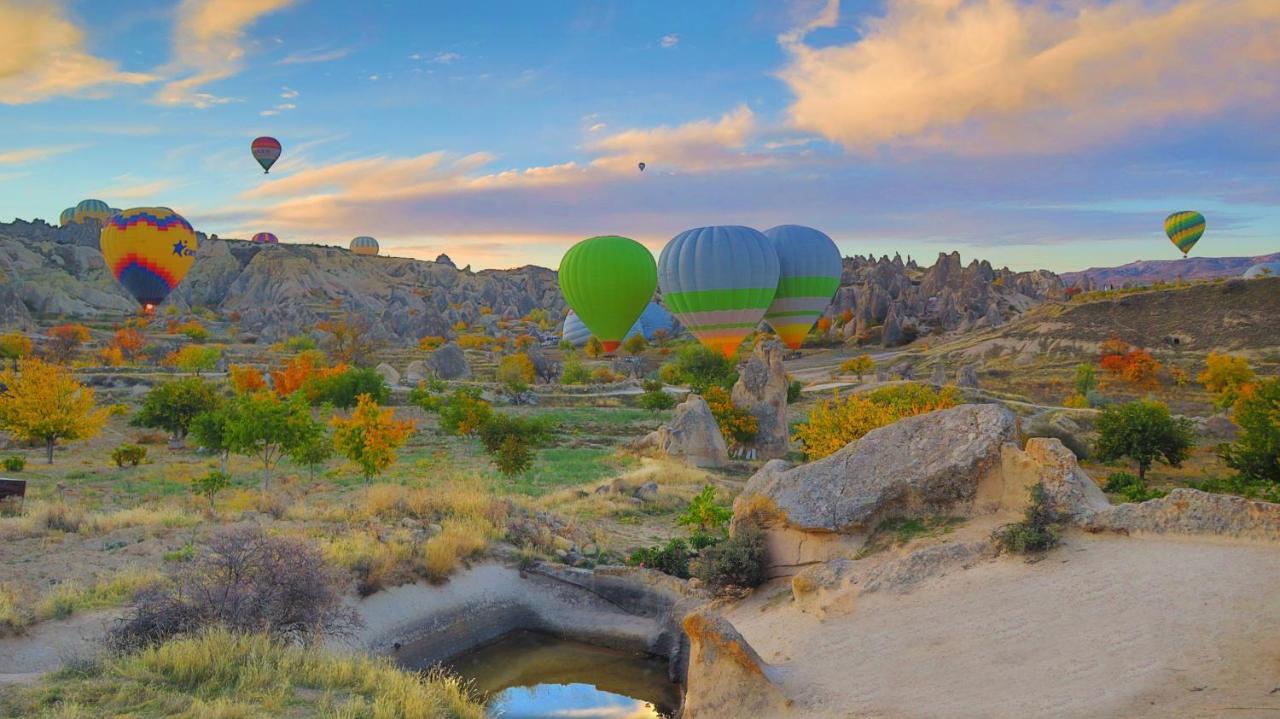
pixel 762 390
pixel 448 362
pixel 727 678
pixel 1190 511
pixel 692 435
pixel 389 374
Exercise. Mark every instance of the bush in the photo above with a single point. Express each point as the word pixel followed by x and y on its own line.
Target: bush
pixel 513 456
pixel 300 343
pixel 1130 487
pixel 699 368
pixel 794 389
pixel 1037 532
pixel 736 563
pixel 499 426
pixel 130 454
pixel 342 389
pixel 670 558
pixel 704 514
pixel 15 463
pixel 655 398
pixel 604 375
pixel 835 423
pixel 737 425
pixel 516 373
pixel 209 485
pixel 574 372
pixel 464 412
pixel 860 365
pixel 1256 452
pixel 245 581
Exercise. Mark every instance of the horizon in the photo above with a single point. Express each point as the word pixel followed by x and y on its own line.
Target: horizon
pixel 501 137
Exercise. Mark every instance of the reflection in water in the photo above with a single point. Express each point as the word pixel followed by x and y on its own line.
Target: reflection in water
pixel 535 676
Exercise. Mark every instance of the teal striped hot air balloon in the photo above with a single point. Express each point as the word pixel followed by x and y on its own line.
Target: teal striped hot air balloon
pixel 1184 229
pixel 718 281
pixel 809 270
pixel 92 210
pixel 67 217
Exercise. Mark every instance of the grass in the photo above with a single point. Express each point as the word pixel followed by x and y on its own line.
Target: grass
pixel 71 597
pixel 13 615
pixel 458 540
pixel 899 532
pixel 560 467
pixel 42 517
pixel 218 675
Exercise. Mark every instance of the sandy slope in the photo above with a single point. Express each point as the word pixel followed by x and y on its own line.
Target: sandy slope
pixel 1104 627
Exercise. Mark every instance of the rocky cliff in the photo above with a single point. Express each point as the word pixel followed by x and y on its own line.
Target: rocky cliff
pixel 1145 272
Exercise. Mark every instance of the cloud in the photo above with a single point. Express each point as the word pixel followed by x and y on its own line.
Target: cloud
pixel 42 55
pixel 305 57
pixel 597 127
pixel 31 154
pixel 282 107
pixel 670 40
pixel 446 58
pixel 208 45
pixel 997 76
pixel 696 146
pixel 287 93
pixel 137 191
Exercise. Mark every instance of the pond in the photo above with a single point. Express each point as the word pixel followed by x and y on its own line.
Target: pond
pixel 528 675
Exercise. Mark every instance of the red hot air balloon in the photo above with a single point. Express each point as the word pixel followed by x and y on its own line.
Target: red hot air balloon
pixel 266 150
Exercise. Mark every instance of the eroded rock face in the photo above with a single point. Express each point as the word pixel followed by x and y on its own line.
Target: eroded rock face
pixel 416 373
pixel 1190 511
pixel 727 678
pixel 448 362
pixel 762 390
pixel 692 435
pixel 389 374
pixel 1046 460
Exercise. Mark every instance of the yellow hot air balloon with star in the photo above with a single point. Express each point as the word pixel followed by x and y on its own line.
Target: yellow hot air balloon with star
pixel 149 250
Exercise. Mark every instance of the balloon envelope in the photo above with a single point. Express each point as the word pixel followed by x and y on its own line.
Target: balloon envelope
pixel 809 270
pixel 655 317
pixel 149 250
pixel 67 217
pixel 364 245
pixel 1184 229
pixel 608 281
pixel 266 150
pixel 1263 269
pixel 718 281
pixel 265 238
pixel 641 167
pixel 92 210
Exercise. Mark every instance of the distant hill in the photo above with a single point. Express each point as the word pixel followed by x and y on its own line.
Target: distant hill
pixel 1145 272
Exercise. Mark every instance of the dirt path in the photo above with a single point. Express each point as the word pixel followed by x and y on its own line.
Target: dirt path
pixel 47 645
pixel 1104 627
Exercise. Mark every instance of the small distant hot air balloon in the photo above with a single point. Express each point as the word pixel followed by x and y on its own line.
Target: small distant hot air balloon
pixel 655 317
pixel 1184 229
pixel 92 210
pixel 266 150
pixel 265 238
pixel 67 217
pixel 641 166
pixel 718 281
pixel 364 245
pixel 149 250
pixel 608 281
pixel 809 269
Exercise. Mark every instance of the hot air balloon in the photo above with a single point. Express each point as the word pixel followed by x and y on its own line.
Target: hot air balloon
pixel 92 210
pixel 608 281
pixel 641 166
pixel 265 238
pixel 266 150
pixel 655 317
pixel 1184 229
pixel 809 270
pixel 67 217
pixel 149 250
pixel 718 281
pixel 364 245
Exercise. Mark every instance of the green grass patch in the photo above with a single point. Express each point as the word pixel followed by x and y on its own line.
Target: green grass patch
pixel 561 467
pixel 899 532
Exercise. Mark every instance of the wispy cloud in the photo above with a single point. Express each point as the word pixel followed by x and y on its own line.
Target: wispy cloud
pixel 42 55
pixel 31 154
pixel 319 54
pixel 999 76
pixel 146 190
pixel 208 46
pixel 670 40
pixel 282 107
pixel 597 127
pixel 287 93
pixel 696 146
pixel 446 58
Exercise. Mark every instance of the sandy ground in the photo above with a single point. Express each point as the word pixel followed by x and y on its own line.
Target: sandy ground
pixel 1103 627
pixel 48 645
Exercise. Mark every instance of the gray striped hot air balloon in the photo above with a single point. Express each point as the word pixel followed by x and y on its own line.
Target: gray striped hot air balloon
pixel 809 275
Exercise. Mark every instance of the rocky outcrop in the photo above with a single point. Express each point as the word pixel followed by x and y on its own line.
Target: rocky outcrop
pixel 692 435
pixel 1069 490
pixel 416 373
pixel 1190 511
pixel 761 389
pixel 967 377
pixel 449 362
pixel 389 374
pixel 727 678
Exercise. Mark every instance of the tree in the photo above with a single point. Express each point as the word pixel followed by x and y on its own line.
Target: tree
pixel 1224 376
pixel 515 372
pixel 370 436
pixel 245 379
pixel 704 514
pixel 699 368
pixel 341 389
pixel 209 485
pixel 1145 432
pixel 655 398
pixel 172 405
pixel 212 431
pixel 129 342
pixel 1086 379
pixel 349 340
pixel 574 372
pixel 1256 452
pixel 298 371
pixel 635 344
pixel 14 346
pixel 593 348
pixel 65 341
pixel 313 449
pixel 860 365
pixel 43 402
pixel 266 427
pixel 195 358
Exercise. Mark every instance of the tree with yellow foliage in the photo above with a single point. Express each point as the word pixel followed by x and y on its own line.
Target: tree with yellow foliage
pixel 65 341
pixel 14 346
pixel 43 402
pixel 370 436
pixel 1224 376
pixel 859 366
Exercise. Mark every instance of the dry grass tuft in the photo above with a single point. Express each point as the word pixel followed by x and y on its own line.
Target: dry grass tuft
pixel 71 597
pixel 459 539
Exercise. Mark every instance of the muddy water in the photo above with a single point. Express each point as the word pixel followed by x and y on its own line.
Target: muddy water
pixel 527 675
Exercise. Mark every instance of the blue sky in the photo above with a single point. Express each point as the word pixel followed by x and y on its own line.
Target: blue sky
pixel 1028 132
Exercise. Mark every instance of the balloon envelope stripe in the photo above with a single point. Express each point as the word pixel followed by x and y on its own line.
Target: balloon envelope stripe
pixel 136 261
pixel 125 220
pixel 807 287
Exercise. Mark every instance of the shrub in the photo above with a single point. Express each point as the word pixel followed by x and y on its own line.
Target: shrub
pixel 194 358
pixel 369 437
pixel 1224 376
pixel 794 389
pixel 1145 432
pixel 342 388
pixel 1256 452
pixel 835 423
pixel 860 365
pixel 736 563
pixel 15 345
pixel 699 368
pixel 1076 401
pixel 670 558
pixel 593 348
pixel 458 540
pixel 1037 532
pixel 737 424
pixel 604 375
pixel 193 331
pixel 464 412
pixel 655 398
pixel 1131 487
pixel 574 372
pixel 704 514
pixel 172 405
pixel 431 342
pixel 635 344
pixel 209 485
pixel 130 454
pixel 1086 379
pixel 245 581
pixel 15 463
pixel 300 343
pixel 516 372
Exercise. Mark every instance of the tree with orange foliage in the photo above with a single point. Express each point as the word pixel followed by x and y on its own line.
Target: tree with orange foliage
pixel 1141 369
pixel 349 341
pixel 43 402
pixel 297 371
pixel 65 341
pixel 246 380
pixel 370 436
pixel 111 356
pixel 824 325
pixel 431 342
pixel 129 341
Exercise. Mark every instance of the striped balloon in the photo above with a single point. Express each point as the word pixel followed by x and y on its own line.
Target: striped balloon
pixel 718 281
pixel 266 150
pixel 655 317
pixel 809 270
pixel 67 217
pixel 149 250
pixel 1184 229
pixel 364 245
pixel 265 238
pixel 92 210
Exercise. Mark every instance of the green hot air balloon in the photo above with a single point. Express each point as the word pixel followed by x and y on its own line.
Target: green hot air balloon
pixel 718 281
pixel 608 281
pixel 1184 229
pixel 809 274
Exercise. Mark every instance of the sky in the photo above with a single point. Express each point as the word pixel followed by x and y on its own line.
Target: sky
pixel 1033 133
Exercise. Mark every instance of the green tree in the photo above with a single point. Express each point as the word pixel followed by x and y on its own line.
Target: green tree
pixel 209 485
pixel 196 358
pixel 266 427
pixel 173 404
pixel 1086 379
pixel 211 431
pixel 342 389
pixel 635 344
pixel 704 514
pixel 699 368
pixel 1256 452
pixel 313 450
pixel 574 372
pixel 1144 432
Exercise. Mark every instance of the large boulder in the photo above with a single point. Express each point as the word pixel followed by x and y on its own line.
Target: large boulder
pixel 448 362
pixel 692 435
pixel 727 678
pixel 761 389
pixel 1046 460
pixel 416 373
pixel 1192 512
pixel 389 374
